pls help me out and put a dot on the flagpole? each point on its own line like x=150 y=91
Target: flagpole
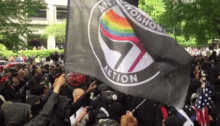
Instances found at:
x=138 y=105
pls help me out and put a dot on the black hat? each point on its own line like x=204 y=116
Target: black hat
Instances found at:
x=103 y=87
x=109 y=97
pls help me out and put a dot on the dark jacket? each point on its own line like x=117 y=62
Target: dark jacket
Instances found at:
x=61 y=117
x=56 y=57
x=2 y=118
x=193 y=86
x=7 y=91
x=62 y=113
x=146 y=113
x=20 y=85
x=32 y=99
x=116 y=110
x=66 y=91
x=45 y=116
x=215 y=72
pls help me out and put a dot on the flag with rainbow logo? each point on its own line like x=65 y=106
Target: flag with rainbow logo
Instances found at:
x=122 y=46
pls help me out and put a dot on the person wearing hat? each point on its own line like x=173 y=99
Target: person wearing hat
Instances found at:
x=104 y=106
x=103 y=88
x=67 y=108
x=36 y=104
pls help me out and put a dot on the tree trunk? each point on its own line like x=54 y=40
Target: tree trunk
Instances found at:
x=219 y=33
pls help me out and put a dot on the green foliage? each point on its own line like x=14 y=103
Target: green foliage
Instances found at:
x=199 y=19
x=14 y=18
x=4 y=52
x=42 y=53
x=185 y=43
x=57 y=30
x=154 y=8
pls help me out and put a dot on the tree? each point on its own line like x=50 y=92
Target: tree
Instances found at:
x=14 y=19
x=199 y=19
x=57 y=30
x=154 y=8
x=185 y=43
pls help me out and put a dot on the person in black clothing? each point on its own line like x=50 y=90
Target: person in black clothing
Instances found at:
x=17 y=83
x=64 y=109
x=23 y=116
x=31 y=59
x=213 y=57
x=146 y=113
x=36 y=79
x=214 y=78
x=193 y=86
x=104 y=106
x=7 y=90
x=56 y=58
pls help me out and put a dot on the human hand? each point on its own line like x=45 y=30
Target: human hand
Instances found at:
x=198 y=69
x=201 y=81
x=55 y=82
x=61 y=80
x=163 y=122
x=219 y=77
x=129 y=113
x=92 y=86
x=84 y=112
x=210 y=118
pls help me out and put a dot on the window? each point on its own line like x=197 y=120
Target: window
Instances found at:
x=61 y=13
x=41 y=13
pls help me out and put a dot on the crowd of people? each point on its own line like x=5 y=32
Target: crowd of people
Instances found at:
x=32 y=95
x=54 y=58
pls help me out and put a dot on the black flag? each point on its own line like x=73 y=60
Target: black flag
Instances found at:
x=121 y=45
x=133 y=2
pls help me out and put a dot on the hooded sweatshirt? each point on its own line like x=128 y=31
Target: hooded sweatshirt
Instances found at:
x=22 y=114
x=45 y=116
x=35 y=108
x=32 y=99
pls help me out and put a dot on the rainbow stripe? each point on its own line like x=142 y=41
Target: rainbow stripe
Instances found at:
x=116 y=27
x=116 y=24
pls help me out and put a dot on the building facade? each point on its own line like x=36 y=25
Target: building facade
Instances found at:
x=55 y=11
